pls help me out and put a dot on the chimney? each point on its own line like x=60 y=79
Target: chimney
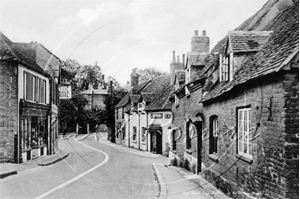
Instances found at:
x=134 y=78
x=183 y=60
x=200 y=43
x=174 y=56
x=178 y=60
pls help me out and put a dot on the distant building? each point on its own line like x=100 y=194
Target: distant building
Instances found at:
x=143 y=116
x=96 y=96
x=29 y=78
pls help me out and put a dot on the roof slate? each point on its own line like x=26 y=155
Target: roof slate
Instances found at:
x=283 y=43
x=196 y=58
x=10 y=51
x=245 y=41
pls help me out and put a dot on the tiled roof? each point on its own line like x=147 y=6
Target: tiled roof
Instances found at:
x=161 y=89
x=135 y=98
x=125 y=100
x=282 y=45
x=135 y=90
x=148 y=97
x=12 y=52
x=245 y=41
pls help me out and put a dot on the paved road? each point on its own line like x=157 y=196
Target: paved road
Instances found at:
x=93 y=170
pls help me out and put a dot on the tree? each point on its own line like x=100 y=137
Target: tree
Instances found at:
x=149 y=74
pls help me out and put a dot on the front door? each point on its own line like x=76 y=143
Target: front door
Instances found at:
x=156 y=141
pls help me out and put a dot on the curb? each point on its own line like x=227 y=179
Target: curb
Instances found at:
x=161 y=184
x=54 y=161
x=4 y=175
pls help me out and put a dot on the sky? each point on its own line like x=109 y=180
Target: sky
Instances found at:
x=121 y=34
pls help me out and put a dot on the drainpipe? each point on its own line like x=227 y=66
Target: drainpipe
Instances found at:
x=147 y=147
x=129 y=129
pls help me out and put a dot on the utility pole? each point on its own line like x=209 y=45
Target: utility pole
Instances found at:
x=112 y=139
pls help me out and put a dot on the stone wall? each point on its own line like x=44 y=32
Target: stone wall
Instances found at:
x=8 y=109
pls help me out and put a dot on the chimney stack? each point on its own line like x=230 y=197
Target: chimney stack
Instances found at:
x=134 y=78
x=178 y=59
x=174 y=56
x=200 y=43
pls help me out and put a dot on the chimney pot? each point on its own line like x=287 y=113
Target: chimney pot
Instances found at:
x=196 y=32
x=203 y=32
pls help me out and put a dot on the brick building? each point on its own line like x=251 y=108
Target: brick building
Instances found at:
x=29 y=86
x=244 y=115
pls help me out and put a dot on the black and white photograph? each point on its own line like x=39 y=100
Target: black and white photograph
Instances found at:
x=133 y=99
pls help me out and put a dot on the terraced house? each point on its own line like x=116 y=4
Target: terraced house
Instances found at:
x=29 y=97
x=143 y=116
x=239 y=128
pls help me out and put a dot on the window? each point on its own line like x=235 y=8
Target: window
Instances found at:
x=134 y=133
x=226 y=67
x=39 y=131
x=25 y=131
x=243 y=127
x=123 y=133
x=116 y=112
x=213 y=134
x=144 y=134
x=122 y=109
x=34 y=88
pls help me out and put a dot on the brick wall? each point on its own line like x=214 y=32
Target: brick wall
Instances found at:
x=274 y=167
x=188 y=107
x=8 y=109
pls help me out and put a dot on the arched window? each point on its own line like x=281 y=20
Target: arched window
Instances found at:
x=213 y=134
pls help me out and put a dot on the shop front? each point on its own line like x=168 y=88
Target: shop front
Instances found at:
x=33 y=130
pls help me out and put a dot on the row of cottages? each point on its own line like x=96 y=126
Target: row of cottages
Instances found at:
x=143 y=116
x=236 y=110
x=29 y=78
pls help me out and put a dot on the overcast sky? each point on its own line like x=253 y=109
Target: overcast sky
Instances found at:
x=121 y=34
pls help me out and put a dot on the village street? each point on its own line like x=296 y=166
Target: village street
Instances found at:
x=96 y=168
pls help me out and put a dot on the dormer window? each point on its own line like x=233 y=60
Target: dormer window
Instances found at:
x=226 y=67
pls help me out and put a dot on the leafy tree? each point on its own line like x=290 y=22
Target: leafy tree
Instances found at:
x=148 y=74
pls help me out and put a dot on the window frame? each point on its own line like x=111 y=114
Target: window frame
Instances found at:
x=244 y=139
x=213 y=134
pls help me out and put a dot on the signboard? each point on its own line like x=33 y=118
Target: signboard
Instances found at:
x=156 y=115
x=65 y=92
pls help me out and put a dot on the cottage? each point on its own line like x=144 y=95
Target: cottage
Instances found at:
x=240 y=127
x=144 y=115
x=29 y=86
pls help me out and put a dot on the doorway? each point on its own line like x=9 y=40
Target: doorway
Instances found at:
x=156 y=141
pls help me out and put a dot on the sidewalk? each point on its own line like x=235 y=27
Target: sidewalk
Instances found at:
x=7 y=169
x=176 y=182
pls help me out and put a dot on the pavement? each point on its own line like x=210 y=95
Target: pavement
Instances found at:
x=7 y=169
x=176 y=182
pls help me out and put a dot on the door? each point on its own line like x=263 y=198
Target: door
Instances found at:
x=156 y=141
x=198 y=125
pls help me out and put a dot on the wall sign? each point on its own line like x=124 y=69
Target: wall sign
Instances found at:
x=65 y=92
x=156 y=115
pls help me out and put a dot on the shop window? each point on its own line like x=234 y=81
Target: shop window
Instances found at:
x=38 y=131
x=213 y=134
